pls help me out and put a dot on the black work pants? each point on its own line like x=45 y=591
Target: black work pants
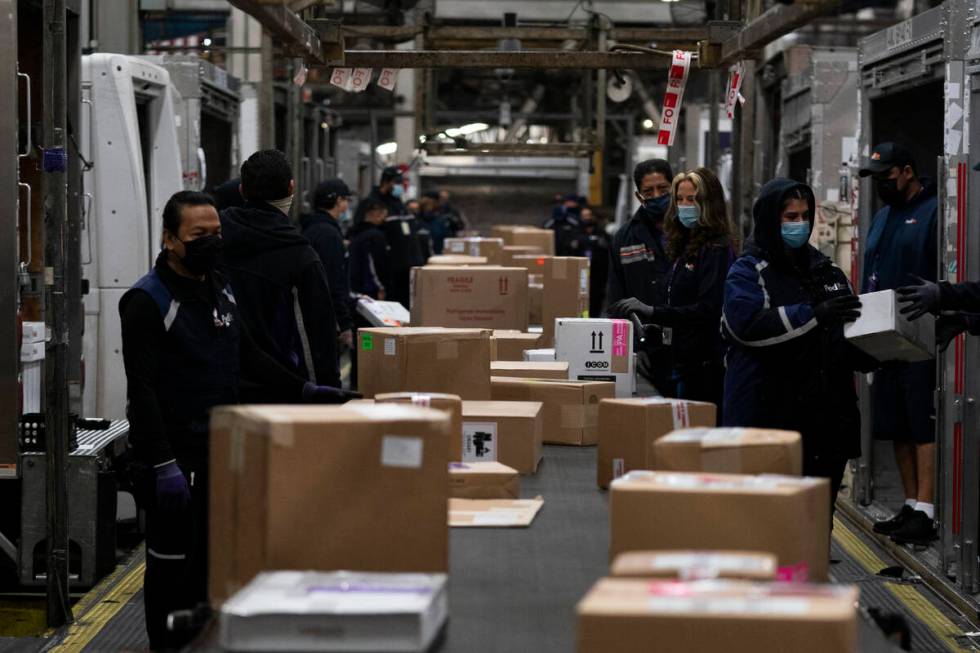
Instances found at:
x=702 y=383
x=176 y=563
x=826 y=465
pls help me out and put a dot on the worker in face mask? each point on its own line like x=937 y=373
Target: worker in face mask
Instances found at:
x=789 y=366
x=185 y=351
x=278 y=277
x=701 y=246
x=638 y=263
x=902 y=247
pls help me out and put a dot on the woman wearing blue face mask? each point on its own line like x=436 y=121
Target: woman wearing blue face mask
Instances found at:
x=701 y=246
x=789 y=366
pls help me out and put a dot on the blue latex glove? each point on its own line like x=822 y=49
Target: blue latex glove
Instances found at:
x=920 y=299
x=173 y=492
x=325 y=394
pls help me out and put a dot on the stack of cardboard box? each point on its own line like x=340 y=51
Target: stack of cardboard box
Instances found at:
x=489 y=248
x=517 y=235
x=564 y=289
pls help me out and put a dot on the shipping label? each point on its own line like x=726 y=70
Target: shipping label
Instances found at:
x=390 y=347
x=479 y=442
x=401 y=451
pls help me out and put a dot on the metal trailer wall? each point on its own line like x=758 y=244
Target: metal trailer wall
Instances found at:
x=817 y=133
x=916 y=80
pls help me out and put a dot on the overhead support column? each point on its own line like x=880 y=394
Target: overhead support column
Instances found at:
x=777 y=21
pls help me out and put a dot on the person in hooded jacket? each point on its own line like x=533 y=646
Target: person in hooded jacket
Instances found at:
x=593 y=243
x=638 y=263
x=565 y=222
x=789 y=366
x=369 y=273
x=277 y=276
x=701 y=245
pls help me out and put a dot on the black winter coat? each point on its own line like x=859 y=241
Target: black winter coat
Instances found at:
x=325 y=236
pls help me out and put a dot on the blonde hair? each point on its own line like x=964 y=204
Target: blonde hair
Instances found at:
x=714 y=226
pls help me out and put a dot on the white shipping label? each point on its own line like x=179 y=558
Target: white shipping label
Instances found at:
x=406 y=228
x=583 y=282
x=401 y=451
x=619 y=467
x=474 y=249
x=422 y=400
x=389 y=346
x=723 y=436
x=457 y=247
x=479 y=442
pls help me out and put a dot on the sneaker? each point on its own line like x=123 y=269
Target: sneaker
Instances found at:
x=896 y=521
x=918 y=529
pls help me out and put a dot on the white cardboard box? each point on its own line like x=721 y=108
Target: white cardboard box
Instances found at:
x=597 y=350
x=335 y=611
x=886 y=334
x=383 y=314
x=539 y=355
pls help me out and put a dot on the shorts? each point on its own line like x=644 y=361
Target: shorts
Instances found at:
x=902 y=406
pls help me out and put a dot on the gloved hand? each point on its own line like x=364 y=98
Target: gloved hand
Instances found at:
x=947 y=328
x=325 y=394
x=624 y=307
x=920 y=299
x=173 y=492
x=346 y=337
x=846 y=308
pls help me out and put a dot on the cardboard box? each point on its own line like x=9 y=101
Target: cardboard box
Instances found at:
x=565 y=288
x=493 y=513
x=490 y=248
x=629 y=427
x=529 y=370
x=638 y=616
x=535 y=303
x=383 y=314
x=413 y=359
x=597 y=350
x=539 y=355
x=694 y=565
x=510 y=345
x=487 y=297
x=451 y=404
x=570 y=408
x=335 y=611
x=783 y=515
x=526 y=235
x=507 y=432
x=350 y=480
x=456 y=259
x=510 y=251
x=486 y=480
x=730 y=451
x=883 y=332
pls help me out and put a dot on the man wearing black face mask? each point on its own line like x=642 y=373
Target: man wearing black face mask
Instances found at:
x=902 y=247
x=638 y=261
x=184 y=350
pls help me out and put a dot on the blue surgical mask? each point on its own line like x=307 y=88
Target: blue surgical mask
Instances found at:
x=795 y=234
x=689 y=215
x=657 y=206
x=398 y=191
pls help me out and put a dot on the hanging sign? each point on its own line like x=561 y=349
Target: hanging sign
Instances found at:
x=387 y=78
x=360 y=79
x=341 y=77
x=680 y=66
x=735 y=77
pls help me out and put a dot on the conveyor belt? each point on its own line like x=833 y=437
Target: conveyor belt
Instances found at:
x=514 y=590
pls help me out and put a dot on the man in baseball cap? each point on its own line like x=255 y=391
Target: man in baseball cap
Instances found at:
x=901 y=249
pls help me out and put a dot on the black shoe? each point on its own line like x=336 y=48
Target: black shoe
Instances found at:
x=896 y=521
x=919 y=529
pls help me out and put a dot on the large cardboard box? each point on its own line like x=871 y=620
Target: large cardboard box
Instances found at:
x=571 y=408
x=451 y=404
x=783 y=515
x=490 y=248
x=510 y=251
x=486 y=480
x=510 y=345
x=730 y=451
x=598 y=350
x=629 y=427
x=694 y=564
x=638 y=616
x=883 y=332
x=456 y=259
x=486 y=297
x=526 y=235
x=507 y=432
x=530 y=370
x=565 y=288
x=326 y=487
x=433 y=359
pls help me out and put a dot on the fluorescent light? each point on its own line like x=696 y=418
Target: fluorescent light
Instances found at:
x=465 y=130
x=207 y=42
x=647 y=124
x=387 y=148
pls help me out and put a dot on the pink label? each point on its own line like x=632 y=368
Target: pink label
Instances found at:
x=621 y=331
x=798 y=573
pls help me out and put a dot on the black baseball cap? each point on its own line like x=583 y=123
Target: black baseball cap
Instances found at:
x=886 y=156
x=327 y=192
x=392 y=172
x=977 y=167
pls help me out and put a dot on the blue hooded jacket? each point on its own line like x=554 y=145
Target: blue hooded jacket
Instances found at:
x=902 y=243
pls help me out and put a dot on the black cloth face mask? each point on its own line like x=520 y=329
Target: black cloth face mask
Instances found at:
x=201 y=254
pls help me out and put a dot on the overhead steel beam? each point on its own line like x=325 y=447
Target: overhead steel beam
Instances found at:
x=581 y=150
x=541 y=60
x=777 y=21
x=457 y=33
x=290 y=31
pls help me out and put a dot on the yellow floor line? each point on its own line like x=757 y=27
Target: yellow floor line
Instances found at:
x=909 y=595
x=90 y=623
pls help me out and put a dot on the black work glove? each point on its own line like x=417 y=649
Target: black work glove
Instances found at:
x=624 y=307
x=325 y=394
x=947 y=328
x=837 y=309
x=921 y=298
